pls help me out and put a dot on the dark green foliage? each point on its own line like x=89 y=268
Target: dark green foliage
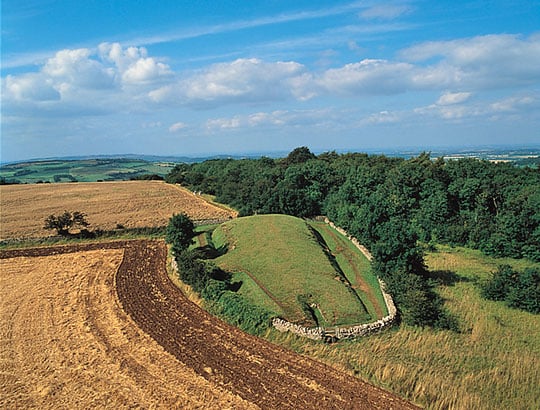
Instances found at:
x=180 y=232
x=389 y=204
x=192 y=271
x=518 y=290
x=298 y=156
x=147 y=177
x=499 y=285
x=63 y=223
x=241 y=313
x=214 y=285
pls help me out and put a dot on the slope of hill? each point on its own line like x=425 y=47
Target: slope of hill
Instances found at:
x=284 y=266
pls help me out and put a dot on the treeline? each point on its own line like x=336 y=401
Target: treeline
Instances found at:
x=389 y=204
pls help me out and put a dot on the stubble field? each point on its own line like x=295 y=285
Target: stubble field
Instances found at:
x=65 y=341
x=108 y=205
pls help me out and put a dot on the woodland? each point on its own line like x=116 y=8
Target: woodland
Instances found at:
x=397 y=207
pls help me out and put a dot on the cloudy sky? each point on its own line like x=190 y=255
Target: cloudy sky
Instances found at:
x=186 y=77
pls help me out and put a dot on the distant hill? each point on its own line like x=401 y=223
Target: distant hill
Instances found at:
x=128 y=166
x=81 y=170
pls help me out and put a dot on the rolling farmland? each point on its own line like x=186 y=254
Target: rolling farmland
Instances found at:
x=131 y=204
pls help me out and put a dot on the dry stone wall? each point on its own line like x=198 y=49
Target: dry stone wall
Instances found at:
x=349 y=332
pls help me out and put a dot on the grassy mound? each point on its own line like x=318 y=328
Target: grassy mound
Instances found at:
x=282 y=265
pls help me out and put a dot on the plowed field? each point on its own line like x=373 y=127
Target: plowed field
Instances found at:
x=132 y=204
x=103 y=326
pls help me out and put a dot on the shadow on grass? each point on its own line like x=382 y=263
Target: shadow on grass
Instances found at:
x=446 y=277
x=210 y=252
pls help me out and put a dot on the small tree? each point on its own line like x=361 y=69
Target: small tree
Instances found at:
x=180 y=233
x=63 y=223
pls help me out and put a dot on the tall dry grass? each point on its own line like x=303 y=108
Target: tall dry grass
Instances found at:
x=494 y=363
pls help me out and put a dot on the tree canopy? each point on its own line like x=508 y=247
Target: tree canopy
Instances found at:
x=390 y=204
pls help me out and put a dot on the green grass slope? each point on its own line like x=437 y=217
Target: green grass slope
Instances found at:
x=283 y=267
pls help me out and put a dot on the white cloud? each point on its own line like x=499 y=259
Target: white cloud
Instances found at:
x=383 y=117
x=368 y=77
x=512 y=104
x=133 y=64
x=249 y=79
x=75 y=67
x=455 y=107
x=490 y=61
x=223 y=123
x=113 y=78
x=145 y=70
x=29 y=87
x=453 y=98
x=177 y=126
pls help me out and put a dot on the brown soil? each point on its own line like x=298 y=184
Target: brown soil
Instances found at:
x=66 y=342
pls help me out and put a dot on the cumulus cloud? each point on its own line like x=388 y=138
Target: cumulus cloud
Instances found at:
x=133 y=64
x=250 y=79
x=85 y=80
x=113 y=78
x=29 y=87
x=482 y=61
x=76 y=67
x=368 y=77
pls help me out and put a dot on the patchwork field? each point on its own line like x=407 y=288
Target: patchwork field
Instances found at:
x=102 y=326
x=85 y=170
x=131 y=204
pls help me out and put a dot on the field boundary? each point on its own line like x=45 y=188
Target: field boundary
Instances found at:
x=344 y=332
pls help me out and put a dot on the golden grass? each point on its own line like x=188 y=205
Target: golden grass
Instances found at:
x=494 y=363
x=66 y=343
x=132 y=204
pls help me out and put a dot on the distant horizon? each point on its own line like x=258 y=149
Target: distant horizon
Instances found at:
x=397 y=151
x=227 y=77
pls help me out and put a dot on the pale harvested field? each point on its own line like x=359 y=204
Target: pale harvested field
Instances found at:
x=132 y=204
x=101 y=325
x=65 y=343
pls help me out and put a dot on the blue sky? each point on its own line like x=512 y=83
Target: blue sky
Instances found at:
x=202 y=77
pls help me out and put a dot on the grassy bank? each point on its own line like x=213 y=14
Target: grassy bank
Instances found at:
x=282 y=266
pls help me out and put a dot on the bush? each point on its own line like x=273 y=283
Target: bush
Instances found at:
x=63 y=223
x=239 y=312
x=518 y=290
x=180 y=233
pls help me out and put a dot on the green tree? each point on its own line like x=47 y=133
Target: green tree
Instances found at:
x=180 y=233
x=500 y=283
x=298 y=156
x=63 y=223
x=525 y=294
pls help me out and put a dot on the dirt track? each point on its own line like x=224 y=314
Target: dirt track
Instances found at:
x=260 y=373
